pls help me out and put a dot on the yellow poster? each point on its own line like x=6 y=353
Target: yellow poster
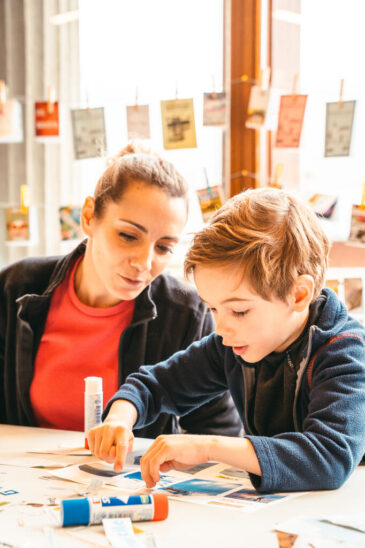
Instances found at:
x=178 y=124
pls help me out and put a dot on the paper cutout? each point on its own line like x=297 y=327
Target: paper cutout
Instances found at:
x=88 y=133
x=339 y=121
x=357 y=231
x=138 y=122
x=257 y=107
x=178 y=124
x=11 y=122
x=323 y=204
x=210 y=200
x=17 y=224
x=70 y=223
x=214 y=109
x=291 y=115
x=47 y=123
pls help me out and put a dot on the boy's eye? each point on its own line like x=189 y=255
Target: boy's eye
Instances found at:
x=240 y=313
x=127 y=237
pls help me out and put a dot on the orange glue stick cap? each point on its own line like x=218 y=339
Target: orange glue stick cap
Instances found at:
x=161 y=504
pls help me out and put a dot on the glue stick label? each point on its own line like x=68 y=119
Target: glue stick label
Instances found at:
x=93 y=410
x=137 y=508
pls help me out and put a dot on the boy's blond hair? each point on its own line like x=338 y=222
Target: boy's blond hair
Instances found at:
x=271 y=235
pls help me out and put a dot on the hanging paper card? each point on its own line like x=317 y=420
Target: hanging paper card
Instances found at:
x=257 y=107
x=353 y=294
x=17 y=224
x=11 y=124
x=138 y=122
x=357 y=232
x=210 y=199
x=339 y=120
x=70 y=223
x=291 y=114
x=323 y=204
x=178 y=124
x=46 y=119
x=214 y=109
x=89 y=133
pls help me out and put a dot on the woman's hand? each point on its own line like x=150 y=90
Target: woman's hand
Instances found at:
x=175 y=451
x=113 y=440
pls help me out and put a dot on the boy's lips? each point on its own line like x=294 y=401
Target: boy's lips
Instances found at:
x=133 y=281
x=240 y=350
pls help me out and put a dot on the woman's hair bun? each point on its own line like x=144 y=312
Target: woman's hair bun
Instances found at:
x=133 y=147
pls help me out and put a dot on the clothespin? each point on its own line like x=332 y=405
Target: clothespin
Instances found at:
x=265 y=78
x=278 y=172
x=176 y=91
x=209 y=189
x=2 y=96
x=213 y=95
x=340 y=99
x=24 y=198
x=136 y=100
x=51 y=99
x=295 y=86
x=362 y=205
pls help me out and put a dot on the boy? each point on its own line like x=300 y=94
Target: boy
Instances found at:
x=291 y=356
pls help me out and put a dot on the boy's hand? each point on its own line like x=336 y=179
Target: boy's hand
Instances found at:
x=111 y=441
x=175 y=451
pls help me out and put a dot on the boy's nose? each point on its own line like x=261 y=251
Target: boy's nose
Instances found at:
x=222 y=328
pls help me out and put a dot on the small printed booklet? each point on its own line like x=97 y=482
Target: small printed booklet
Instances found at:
x=138 y=122
x=214 y=109
x=339 y=121
x=257 y=107
x=46 y=120
x=89 y=137
x=17 y=224
x=178 y=123
x=70 y=223
x=291 y=116
x=210 y=199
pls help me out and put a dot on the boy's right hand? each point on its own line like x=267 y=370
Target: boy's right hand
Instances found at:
x=113 y=440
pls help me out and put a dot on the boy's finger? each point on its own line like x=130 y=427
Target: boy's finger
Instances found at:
x=121 y=451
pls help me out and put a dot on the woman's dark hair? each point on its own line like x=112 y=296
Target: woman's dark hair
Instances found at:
x=135 y=163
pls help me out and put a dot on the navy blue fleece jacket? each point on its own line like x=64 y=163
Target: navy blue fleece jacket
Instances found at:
x=328 y=411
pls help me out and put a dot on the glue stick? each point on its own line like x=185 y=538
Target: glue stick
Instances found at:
x=93 y=404
x=92 y=510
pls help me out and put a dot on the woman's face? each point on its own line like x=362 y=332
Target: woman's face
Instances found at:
x=131 y=244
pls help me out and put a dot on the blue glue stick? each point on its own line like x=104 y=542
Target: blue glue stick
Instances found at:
x=92 y=510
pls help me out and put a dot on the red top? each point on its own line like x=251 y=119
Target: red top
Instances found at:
x=78 y=341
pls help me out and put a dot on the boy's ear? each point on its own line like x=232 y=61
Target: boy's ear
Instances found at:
x=87 y=215
x=303 y=292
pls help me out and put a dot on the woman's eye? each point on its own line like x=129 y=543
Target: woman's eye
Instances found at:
x=240 y=313
x=163 y=249
x=127 y=237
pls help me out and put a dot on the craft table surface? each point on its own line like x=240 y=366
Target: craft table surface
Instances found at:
x=191 y=525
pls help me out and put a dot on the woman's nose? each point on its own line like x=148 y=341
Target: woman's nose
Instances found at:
x=142 y=259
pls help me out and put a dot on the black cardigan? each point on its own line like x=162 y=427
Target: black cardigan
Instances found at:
x=168 y=316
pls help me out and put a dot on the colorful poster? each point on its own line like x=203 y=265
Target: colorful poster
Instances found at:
x=47 y=123
x=11 y=122
x=178 y=123
x=17 y=224
x=70 y=223
x=257 y=107
x=138 y=122
x=357 y=231
x=323 y=204
x=214 y=109
x=210 y=199
x=339 y=121
x=89 y=136
x=291 y=115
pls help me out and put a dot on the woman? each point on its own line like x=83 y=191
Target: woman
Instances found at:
x=105 y=308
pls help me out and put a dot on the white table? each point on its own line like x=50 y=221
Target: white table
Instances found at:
x=191 y=525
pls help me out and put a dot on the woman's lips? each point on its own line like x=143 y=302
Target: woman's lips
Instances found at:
x=132 y=281
x=240 y=350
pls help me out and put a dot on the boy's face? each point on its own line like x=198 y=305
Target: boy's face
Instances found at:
x=252 y=326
